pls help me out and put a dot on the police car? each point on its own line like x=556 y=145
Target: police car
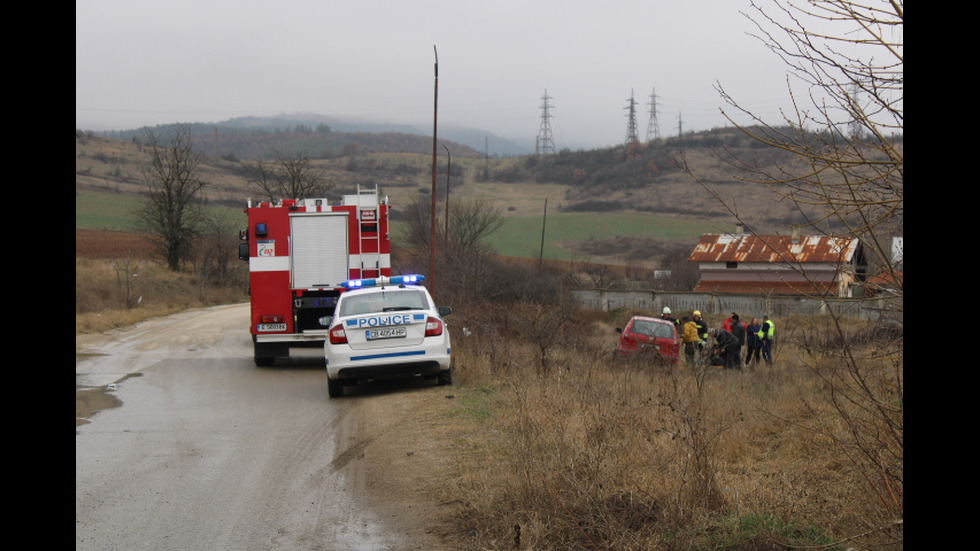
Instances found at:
x=386 y=328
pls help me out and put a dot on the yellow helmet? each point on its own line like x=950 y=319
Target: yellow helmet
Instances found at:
x=697 y=313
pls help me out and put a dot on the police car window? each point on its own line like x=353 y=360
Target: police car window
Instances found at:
x=383 y=302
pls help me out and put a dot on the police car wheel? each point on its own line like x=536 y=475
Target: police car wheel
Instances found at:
x=446 y=377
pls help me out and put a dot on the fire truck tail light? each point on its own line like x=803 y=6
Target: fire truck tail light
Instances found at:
x=270 y=318
x=433 y=327
x=338 y=335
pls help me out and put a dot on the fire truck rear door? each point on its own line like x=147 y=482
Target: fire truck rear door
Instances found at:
x=318 y=249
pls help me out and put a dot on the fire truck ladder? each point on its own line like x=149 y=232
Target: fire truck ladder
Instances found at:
x=361 y=206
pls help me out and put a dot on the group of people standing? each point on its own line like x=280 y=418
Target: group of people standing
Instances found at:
x=757 y=338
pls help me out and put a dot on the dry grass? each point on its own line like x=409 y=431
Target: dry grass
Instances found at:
x=117 y=283
x=604 y=454
x=583 y=451
x=119 y=292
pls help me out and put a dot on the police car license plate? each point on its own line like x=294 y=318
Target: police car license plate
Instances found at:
x=387 y=333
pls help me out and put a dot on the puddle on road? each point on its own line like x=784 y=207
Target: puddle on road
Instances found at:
x=90 y=400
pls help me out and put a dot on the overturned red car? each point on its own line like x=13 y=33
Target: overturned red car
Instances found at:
x=650 y=336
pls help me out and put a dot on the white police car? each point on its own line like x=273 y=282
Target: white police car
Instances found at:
x=386 y=328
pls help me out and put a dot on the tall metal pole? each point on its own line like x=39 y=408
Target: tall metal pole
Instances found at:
x=432 y=230
x=544 y=219
x=449 y=172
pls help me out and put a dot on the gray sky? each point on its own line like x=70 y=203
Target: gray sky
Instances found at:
x=146 y=63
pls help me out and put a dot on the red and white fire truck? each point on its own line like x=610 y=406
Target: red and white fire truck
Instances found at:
x=298 y=252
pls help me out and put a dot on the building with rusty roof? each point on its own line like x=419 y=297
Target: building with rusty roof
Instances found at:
x=779 y=265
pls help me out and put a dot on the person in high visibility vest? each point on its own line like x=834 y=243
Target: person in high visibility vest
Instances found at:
x=702 y=330
x=767 y=335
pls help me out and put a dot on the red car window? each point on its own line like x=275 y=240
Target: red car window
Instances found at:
x=652 y=329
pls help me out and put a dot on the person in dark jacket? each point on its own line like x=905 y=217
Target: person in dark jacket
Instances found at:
x=753 y=346
x=737 y=329
x=726 y=345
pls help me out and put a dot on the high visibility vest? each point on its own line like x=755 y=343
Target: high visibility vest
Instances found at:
x=767 y=331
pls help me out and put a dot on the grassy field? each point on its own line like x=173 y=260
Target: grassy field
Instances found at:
x=98 y=210
x=520 y=234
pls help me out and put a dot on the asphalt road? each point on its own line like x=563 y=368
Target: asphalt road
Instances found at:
x=203 y=450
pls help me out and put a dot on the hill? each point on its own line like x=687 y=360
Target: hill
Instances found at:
x=622 y=204
x=322 y=136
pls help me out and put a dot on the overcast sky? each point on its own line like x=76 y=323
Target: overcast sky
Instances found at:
x=146 y=63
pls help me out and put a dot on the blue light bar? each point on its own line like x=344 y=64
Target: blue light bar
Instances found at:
x=408 y=279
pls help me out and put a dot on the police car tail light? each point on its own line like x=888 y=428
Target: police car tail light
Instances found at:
x=338 y=335
x=433 y=327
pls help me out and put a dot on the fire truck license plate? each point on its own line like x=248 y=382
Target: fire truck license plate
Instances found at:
x=265 y=327
x=389 y=333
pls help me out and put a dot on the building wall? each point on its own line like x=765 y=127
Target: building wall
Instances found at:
x=746 y=305
x=778 y=273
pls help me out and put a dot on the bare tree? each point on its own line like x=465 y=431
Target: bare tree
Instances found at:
x=470 y=222
x=848 y=181
x=171 y=210
x=849 y=142
x=464 y=254
x=291 y=177
x=215 y=251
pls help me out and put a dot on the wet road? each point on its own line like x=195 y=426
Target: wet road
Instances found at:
x=200 y=449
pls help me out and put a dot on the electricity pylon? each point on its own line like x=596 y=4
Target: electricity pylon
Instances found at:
x=545 y=143
x=653 y=125
x=631 y=133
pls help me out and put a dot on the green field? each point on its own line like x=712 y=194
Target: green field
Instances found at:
x=114 y=211
x=518 y=236
x=521 y=236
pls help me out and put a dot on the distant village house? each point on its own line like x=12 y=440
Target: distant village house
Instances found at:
x=743 y=263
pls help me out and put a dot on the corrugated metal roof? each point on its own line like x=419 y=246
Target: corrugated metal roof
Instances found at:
x=726 y=247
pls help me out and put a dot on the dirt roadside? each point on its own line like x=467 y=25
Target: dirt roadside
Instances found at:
x=405 y=447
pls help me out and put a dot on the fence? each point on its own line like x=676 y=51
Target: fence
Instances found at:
x=880 y=309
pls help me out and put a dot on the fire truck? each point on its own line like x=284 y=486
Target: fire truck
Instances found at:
x=298 y=253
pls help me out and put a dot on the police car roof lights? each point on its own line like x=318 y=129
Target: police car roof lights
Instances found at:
x=382 y=281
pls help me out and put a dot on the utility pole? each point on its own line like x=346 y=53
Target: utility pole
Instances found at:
x=653 y=126
x=544 y=219
x=435 y=179
x=545 y=143
x=631 y=133
x=449 y=171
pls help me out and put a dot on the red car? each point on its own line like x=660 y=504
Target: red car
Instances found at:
x=644 y=335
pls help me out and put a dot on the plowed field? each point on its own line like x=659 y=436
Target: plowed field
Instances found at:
x=110 y=244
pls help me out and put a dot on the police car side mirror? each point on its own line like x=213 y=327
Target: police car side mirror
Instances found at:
x=445 y=310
